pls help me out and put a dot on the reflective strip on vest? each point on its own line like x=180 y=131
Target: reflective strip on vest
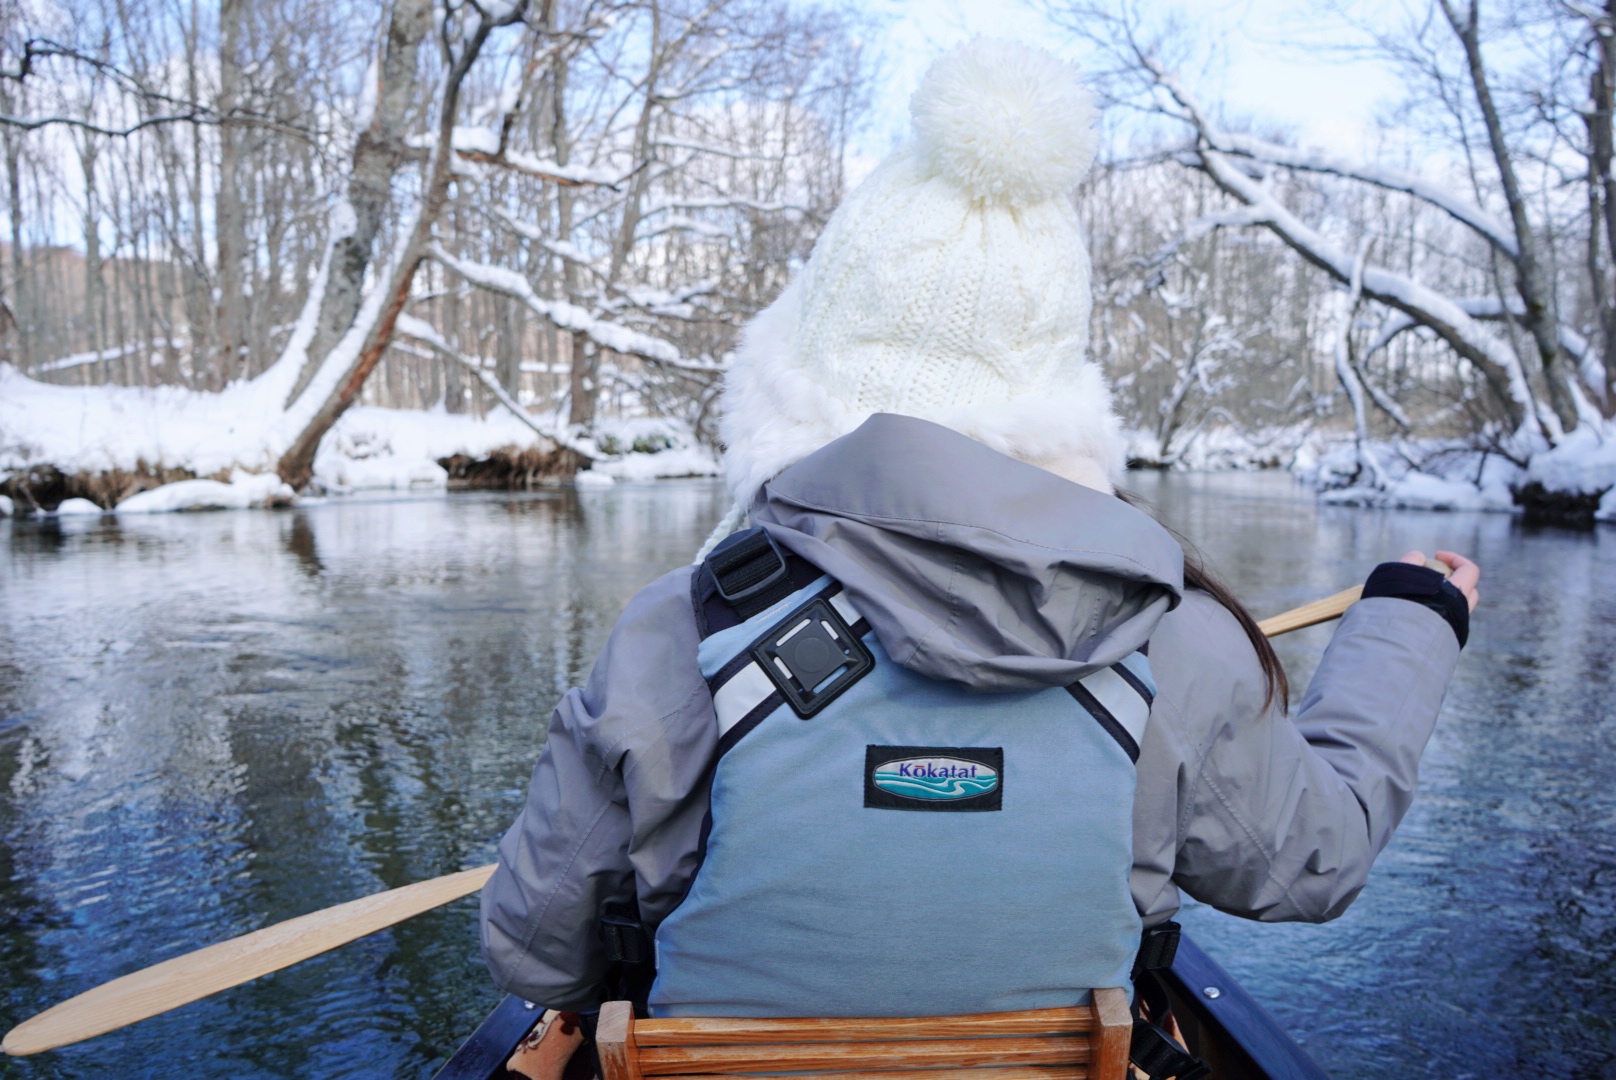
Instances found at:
x=1121 y=699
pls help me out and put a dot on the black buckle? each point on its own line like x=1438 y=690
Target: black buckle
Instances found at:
x=1157 y=948
x=1158 y=1056
x=812 y=656
x=738 y=568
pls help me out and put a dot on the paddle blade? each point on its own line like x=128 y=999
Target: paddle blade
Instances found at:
x=195 y=975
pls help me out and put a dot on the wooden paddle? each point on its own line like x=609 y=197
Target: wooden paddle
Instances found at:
x=196 y=975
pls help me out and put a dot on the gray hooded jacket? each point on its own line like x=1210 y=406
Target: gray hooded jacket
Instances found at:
x=981 y=570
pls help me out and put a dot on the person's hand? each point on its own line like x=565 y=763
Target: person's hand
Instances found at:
x=1465 y=574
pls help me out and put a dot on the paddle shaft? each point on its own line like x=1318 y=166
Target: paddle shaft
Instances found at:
x=196 y=975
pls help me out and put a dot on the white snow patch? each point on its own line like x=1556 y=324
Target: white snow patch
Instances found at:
x=687 y=461
x=96 y=429
x=7 y=509
x=475 y=140
x=78 y=508
x=1584 y=463
x=244 y=490
x=1420 y=491
x=592 y=479
x=650 y=448
x=372 y=447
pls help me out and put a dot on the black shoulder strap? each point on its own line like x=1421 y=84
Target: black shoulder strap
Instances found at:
x=1153 y=1051
x=745 y=574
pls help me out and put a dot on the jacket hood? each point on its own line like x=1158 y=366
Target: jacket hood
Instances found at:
x=971 y=566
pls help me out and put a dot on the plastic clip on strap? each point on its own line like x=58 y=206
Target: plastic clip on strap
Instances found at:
x=750 y=574
x=1156 y=1053
x=1157 y=948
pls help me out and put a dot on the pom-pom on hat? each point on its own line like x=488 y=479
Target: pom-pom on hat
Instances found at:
x=951 y=285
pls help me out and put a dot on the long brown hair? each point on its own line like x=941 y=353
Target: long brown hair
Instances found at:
x=1197 y=576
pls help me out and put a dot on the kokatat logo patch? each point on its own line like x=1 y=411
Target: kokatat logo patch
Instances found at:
x=933 y=777
x=936 y=778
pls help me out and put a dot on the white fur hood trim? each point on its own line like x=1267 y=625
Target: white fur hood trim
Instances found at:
x=774 y=415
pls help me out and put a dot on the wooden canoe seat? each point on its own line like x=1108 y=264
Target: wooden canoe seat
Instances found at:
x=1086 y=1042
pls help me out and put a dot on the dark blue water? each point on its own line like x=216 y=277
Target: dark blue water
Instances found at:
x=212 y=722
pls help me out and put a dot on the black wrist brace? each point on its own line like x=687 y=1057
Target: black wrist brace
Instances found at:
x=1425 y=587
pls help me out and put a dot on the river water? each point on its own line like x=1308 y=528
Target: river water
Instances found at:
x=213 y=722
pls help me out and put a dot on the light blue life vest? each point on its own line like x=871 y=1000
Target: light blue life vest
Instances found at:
x=884 y=844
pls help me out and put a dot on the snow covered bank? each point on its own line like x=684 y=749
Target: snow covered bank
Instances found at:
x=1570 y=483
x=244 y=490
x=647 y=448
x=1214 y=449
x=128 y=446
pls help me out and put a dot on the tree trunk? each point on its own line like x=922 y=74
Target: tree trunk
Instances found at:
x=296 y=465
x=1602 y=203
x=1539 y=318
x=580 y=376
x=92 y=260
x=230 y=225
x=198 y=286
x=379 y=152
x=22 y=304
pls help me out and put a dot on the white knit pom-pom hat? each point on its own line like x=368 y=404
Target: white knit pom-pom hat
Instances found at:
x=951 y=285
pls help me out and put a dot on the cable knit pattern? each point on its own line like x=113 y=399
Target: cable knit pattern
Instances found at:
x=951 y=285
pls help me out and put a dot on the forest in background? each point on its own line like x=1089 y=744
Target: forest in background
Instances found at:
x=564 y=210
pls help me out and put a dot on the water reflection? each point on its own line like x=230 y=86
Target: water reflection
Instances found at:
x=212 y=722
x=1483 y=945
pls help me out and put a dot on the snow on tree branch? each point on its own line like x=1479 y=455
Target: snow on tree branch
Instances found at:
x=568 y=316
x=421 y=330
x=1441 y=196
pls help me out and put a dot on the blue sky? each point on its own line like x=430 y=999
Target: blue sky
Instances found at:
x=1269 y=74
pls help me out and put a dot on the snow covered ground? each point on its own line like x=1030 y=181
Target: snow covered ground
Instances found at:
x=1436 y=474
x=232 y=441
x=1421 y=474
x=230 y=437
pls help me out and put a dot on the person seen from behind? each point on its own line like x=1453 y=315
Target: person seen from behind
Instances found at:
x=943 y=723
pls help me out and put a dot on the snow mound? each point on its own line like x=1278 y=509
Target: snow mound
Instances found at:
x=651 y=448
x=684 y=461
x=6 y=507
x=1421 y=491
x=78 y=508
x=398 y=449
x=1584 y=463
x=592 y=480
x=244 y=490
x=1007 y=122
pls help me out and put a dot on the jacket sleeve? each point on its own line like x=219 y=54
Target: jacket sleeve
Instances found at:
x=614 y=809
x=1273 y=818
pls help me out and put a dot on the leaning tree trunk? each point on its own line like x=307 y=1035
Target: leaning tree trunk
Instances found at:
x=379 y=153
x=1531 y=280
x=296 y=465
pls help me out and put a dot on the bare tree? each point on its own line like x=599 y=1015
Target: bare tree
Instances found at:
x=1247 y=169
